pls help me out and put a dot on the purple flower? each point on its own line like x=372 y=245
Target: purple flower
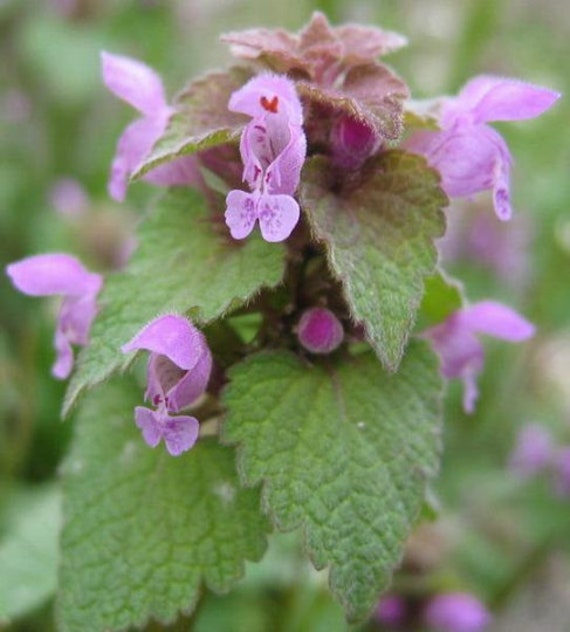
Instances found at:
x=471 y=156
x=61 y=274
x=138 y=85
x=456 y=612
x=272 y=147
x=391 y=610
x=461 y=353
x=177 y=375
x=561 y=467
x=320 y=331
x=533 y=451
x=68 y=197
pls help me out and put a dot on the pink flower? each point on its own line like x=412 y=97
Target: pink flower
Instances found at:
x=68 y=197
x=461 y=353
x=61 y=274
x=138 y=85
x=456 y=612
x=471 y=156
x=320 y=331
x=533 y=451
x=272 y=147
x=391 y=610
x=177 y=375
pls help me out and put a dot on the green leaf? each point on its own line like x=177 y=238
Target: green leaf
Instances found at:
x=344 y=453
x=379 y=233
x=29 y=551
x=443 y=295
x=201 y=120
x=182 y=264
x=143 y=530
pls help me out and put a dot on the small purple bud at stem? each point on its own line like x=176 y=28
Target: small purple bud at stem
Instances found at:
x=320 y=330
x=352 y=141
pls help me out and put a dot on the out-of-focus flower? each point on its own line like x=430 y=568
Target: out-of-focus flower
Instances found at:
x=61 y=274
x=391 y=610
x=471 y=156
x=561 y=469
x=497 y=246
x=456 y=612
x=532 y=452
x=272 y=147
x=15 y=106
x=68 y=197
x=178 y=372
x=320 y=331
x=456 y=341
x=138 y=85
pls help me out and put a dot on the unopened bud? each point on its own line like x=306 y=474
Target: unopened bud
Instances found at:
x=320 y=330
x=352 y=141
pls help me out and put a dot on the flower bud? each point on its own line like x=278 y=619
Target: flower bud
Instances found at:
x=320 y=330
x=352 y=141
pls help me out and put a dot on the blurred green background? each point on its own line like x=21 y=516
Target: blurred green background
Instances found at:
x=506 y=541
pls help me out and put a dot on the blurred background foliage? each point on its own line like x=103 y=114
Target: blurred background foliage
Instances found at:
x=504 y=540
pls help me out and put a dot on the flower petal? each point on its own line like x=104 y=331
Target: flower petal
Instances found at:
x=162 y=375
x=133 y=145
x=284 y=173
x=188 y=389
x=278 y=215
x=133 y=82
x=180 y=172
x=172 y=336
x=268 y=94
x=53 y=274
x=495 y=319
x=470 y=388
x=241 y=213
x=180 y=434
x=149 y=422
x=64 y=360
x=498 y=99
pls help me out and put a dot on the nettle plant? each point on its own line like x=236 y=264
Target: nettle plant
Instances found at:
x=286 y=295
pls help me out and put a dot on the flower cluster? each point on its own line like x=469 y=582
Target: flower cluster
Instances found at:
x=322 y=92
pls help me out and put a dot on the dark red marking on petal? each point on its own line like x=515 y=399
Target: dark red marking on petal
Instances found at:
x=270 y=106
